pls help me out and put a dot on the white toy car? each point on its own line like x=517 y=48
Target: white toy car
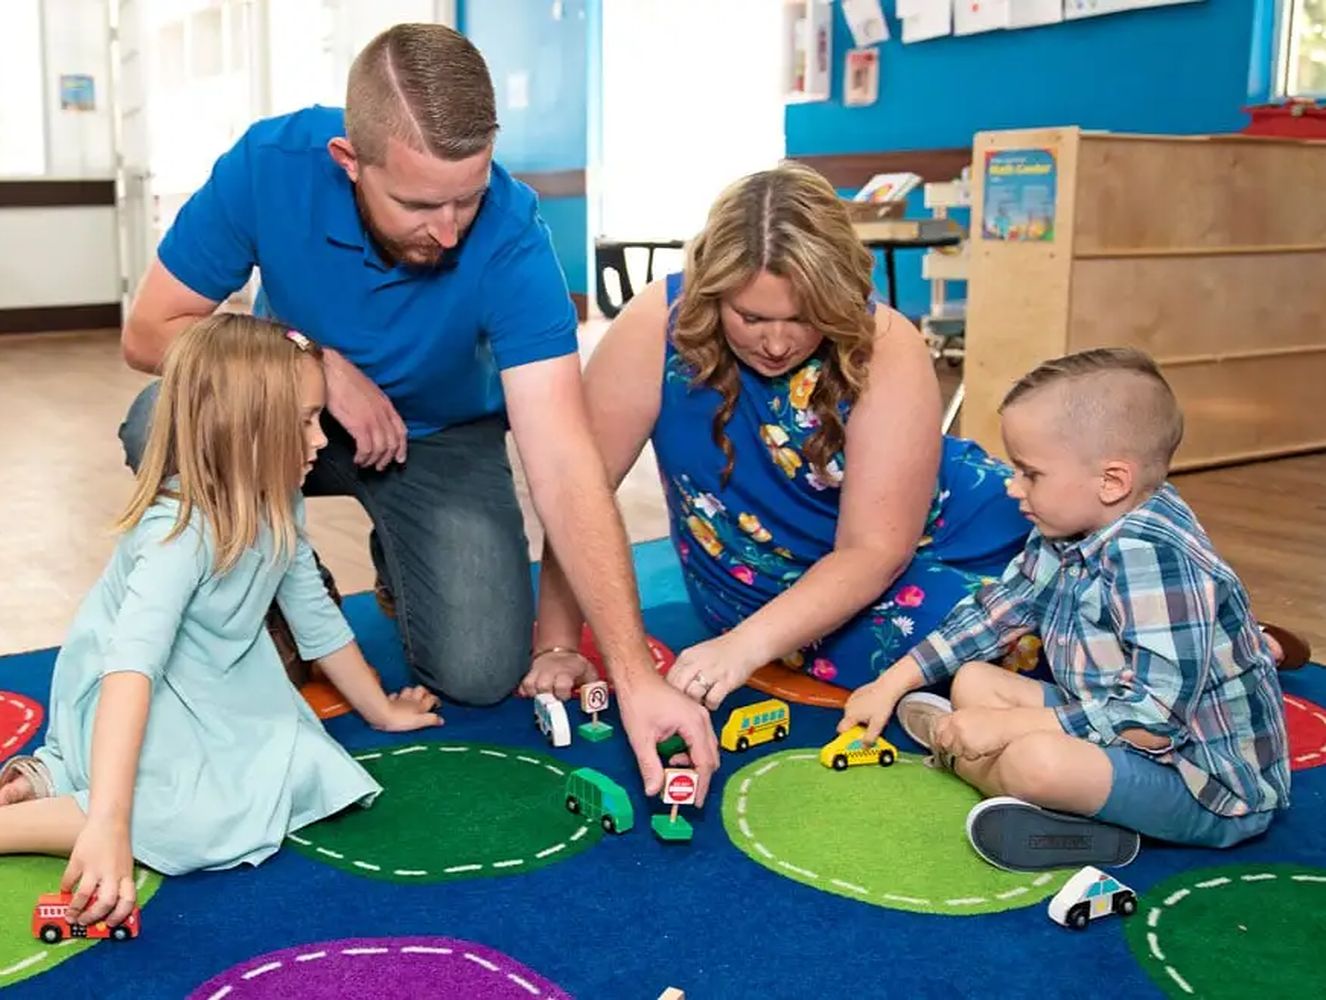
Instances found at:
x=1090 y=894
x=550 y=717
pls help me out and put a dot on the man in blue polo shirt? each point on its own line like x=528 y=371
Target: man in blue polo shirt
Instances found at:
x=389 y=235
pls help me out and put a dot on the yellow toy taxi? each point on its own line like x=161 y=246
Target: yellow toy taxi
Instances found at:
x=848 y=750
x=755 y=724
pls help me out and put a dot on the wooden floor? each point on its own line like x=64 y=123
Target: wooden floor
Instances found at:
x=62 y=397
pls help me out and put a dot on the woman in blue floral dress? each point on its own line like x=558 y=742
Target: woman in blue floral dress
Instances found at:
x=820 y=516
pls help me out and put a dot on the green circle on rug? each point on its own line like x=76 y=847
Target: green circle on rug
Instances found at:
x=22 y=879
x=890 y=836
x=453 y=811
x=1236 y=931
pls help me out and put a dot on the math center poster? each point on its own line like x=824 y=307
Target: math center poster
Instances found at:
x=1019 y=195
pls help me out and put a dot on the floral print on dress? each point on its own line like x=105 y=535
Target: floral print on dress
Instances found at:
x=740 y=545
x=742 y=541
x=1025 y=655
x=750 y=524
x=776 y=439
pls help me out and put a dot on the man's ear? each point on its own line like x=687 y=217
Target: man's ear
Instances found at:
x=1117 y=478
x=344 y=154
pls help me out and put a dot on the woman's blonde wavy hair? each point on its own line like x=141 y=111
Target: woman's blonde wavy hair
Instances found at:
x=227 y=423
x=790 y=222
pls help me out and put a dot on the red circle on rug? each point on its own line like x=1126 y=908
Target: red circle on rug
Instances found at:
x=20 y=718
x=1306 y=723
x=589 y=649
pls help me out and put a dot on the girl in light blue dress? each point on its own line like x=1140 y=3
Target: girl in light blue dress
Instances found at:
x=175 y=736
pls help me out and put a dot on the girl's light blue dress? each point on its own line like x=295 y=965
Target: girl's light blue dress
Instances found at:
x=233 y=758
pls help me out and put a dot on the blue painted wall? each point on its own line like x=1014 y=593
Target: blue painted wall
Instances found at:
x=1181 y=69
x=552 y=132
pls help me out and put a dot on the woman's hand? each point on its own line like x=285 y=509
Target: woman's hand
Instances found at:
x=711 y=670
x=101 y=866
x=409 y=709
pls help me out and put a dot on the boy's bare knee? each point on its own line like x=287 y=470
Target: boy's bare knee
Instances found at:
x=1030 y=767
x=972 y=687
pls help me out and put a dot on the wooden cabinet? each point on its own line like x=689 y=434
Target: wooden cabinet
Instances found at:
x=1207 y=252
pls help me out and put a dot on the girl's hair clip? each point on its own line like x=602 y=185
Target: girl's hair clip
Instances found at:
x=299 y=340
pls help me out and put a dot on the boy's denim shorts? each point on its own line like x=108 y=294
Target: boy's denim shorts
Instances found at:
x=1151 y=798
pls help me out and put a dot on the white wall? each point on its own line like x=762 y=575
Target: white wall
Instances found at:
x=79 y=143
x=68 y=255
x=58 y=257
x=692 y=100
x=22 y=142
x=313 y=43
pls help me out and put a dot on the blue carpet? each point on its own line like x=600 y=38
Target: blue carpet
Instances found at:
x=630 y=916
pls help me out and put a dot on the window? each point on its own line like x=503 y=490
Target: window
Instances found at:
x=22 y=107
x=1301 y=53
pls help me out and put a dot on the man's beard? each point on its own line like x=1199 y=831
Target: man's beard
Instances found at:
x=424 y=256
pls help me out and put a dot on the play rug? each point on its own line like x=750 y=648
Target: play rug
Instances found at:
x=470 y=879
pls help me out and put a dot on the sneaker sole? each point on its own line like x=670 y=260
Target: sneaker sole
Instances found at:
x=923 y=698
x=1020 y=837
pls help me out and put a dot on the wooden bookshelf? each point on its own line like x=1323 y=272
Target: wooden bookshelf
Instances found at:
x=1208 y=252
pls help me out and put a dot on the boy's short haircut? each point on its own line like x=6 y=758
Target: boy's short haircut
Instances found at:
x=1115 y=402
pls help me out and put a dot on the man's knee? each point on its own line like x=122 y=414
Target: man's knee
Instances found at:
x=137 y=424
x=475 y=672
x=469 y=655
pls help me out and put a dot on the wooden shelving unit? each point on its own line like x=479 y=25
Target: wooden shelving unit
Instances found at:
x=1208 y=252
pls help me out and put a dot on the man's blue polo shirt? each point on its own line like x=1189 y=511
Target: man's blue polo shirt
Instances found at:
x=433 y=340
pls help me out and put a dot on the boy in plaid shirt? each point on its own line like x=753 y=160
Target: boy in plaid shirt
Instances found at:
x=1165 y=716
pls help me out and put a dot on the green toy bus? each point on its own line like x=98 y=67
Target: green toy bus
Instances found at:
x=598 y=797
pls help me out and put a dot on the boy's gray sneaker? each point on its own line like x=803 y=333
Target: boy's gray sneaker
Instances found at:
x=1021 y=837
x=917 y=714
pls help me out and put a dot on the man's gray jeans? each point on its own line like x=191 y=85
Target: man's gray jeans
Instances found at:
x=448 y=540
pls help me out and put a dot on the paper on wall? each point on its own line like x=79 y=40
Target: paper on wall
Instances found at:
x=866 y=21
x=1029 y=13
x=971 y=17
x=1074 y=9
x=930 y=19
x=910 y=8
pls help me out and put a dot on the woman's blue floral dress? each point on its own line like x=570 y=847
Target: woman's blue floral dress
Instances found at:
x=743 y=544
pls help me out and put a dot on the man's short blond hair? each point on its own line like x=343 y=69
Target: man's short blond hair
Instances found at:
x=425 y=85
x=1115 y=403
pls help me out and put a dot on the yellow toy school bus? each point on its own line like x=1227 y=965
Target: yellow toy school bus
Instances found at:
x=754 y=724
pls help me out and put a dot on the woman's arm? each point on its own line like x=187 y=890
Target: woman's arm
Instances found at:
x=892 y=460
x=623 y=386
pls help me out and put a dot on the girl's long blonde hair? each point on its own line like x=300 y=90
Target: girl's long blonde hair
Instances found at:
x=227 y=423
x=790 y=222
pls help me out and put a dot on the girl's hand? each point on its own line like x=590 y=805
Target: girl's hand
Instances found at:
x=409 y=709
x=101 y=865
x=711 y=670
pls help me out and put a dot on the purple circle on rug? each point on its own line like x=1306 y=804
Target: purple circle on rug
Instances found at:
x=373 y=968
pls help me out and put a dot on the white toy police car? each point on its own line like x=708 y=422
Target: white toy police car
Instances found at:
x=1090 y=894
